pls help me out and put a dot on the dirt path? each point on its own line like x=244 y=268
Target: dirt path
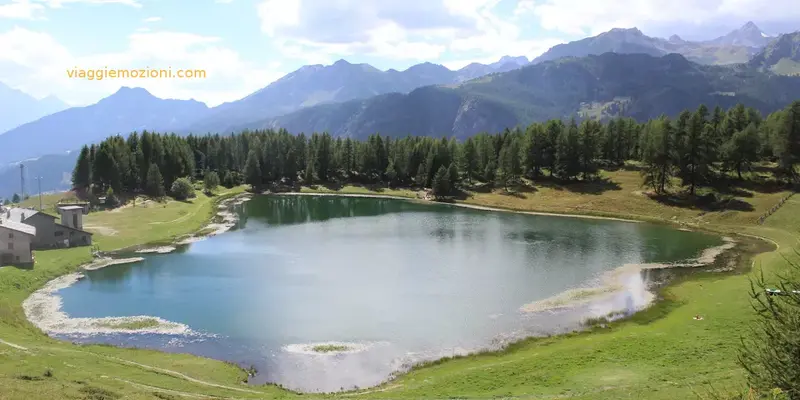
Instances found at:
x=16 y=346
x=174 y=374
x=103 y=230
x=169 y=391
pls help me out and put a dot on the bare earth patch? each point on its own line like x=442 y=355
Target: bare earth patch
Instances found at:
x=103 y=230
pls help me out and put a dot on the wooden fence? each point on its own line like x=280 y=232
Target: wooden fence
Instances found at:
x=774 y=208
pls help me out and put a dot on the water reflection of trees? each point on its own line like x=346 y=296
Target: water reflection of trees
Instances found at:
x=287 y=210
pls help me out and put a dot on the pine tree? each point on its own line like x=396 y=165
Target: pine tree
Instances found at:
x=210 y=181
x=453 y=176
x=589 y=141
x=770 y=351
x=657 y=155
x=568 y=163
x=391 y=173
x=469 y=159
x=742 y=150
x=490 y=173
x=82 y=174
x=422 y=176
x=15 y=198
x=692 y=146
x=308 y=173
x=510 y=166
x=155 y=182
x=787 y=143
x=252 y=170
x=441 y=183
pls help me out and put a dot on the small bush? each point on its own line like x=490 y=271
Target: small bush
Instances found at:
x=96 y=393
x=48 y=373
x=182 y=189
x=210 y=181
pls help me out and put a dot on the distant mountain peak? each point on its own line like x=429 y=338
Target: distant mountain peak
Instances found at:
x=519 y=60
x=341 y=62
x=750 y=25
x=749 y=35
x=633 y=30
x=132 y=91
x=676 y=39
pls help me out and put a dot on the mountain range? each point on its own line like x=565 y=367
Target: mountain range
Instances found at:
x=127 y=110
x=781 y=56
x=17 y=107
x=737 y=46
x=641 y=77
x=636 y=85
x=342 y=81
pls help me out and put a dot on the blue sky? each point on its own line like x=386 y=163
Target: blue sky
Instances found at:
x=246 y=44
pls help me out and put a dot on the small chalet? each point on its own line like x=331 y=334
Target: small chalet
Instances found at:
x=49 y=233
x=15 y=243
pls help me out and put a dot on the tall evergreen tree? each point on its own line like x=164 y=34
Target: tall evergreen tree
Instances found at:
x=441 y=183
x=657 y=155
x=82 y=174
x=568 y=160
x=742 y=150
x=155 y=182
x=252 y=169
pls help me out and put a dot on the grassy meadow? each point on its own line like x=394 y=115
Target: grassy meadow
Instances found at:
x=660 y=353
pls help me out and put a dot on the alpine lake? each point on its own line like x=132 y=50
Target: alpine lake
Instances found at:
x=329 y=293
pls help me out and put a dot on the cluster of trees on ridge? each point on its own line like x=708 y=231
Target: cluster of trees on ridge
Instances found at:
x=695 y=147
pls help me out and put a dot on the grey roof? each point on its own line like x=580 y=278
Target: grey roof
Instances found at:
x=18 y=214
x=18 y=226
x=71 y=208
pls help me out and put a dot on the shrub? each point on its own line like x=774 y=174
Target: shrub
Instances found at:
x=210 y=181
x=182 y=189
x=771 y=353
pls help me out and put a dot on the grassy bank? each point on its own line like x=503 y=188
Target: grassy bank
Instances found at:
x=662 y=353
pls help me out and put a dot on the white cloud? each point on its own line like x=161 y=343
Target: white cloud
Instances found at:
x=37 y=64
x=416 y=30
x=60 y=3
x=152 y=19
x=20 y=9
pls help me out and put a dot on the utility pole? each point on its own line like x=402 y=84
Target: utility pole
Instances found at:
x=39 y=181
x=22 y=182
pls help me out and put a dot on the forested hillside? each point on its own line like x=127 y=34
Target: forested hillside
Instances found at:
x=698 y=146
x=598 y=87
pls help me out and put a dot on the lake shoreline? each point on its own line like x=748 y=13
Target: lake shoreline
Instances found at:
x=43 y=308
x=182 y=240
x=224 y=212
x=455 y=204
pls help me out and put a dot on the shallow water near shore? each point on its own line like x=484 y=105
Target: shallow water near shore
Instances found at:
x=384 y=283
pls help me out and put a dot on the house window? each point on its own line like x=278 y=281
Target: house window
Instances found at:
x=74 y=220
x=11 y=235
x=17 y=258
x=59 y=233
x=11 y=246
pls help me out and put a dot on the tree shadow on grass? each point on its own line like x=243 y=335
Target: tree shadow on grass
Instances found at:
x=708 y=202
x=594 y=186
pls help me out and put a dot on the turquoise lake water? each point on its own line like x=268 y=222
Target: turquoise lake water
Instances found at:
x=399 y=281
